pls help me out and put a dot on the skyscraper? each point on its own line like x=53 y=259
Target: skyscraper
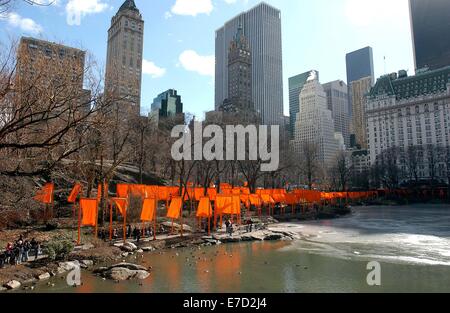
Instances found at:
x=262 y=28
x=430 y=26
x=360 y=89
x=239 y=75
x=296 y=84
x=337 y=101
x=314 y=124
x=167 y=105
x=359 y=65
x=124 y=57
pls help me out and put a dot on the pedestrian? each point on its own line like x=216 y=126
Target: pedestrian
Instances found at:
x=2 y=259
x=19 y=252
x=26 y=250
x=138 y=235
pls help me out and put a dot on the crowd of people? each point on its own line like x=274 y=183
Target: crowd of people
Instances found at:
x=134 y=232
x=19 y=251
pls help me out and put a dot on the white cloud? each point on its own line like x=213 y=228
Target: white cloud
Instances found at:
x=25 y=24
x=368 y=12
x=76 y=9
x=167 y=15
x=192 y=7
x=150 y=68
x=192 y=61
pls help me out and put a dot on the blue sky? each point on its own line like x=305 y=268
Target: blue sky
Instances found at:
x=179 y=38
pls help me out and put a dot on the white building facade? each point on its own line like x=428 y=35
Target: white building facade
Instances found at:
x=410 y=116
x=314 y=123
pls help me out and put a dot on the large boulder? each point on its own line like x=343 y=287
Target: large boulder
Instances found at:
x=13 y=284
x=128 y=247
x=130 y=266
x=273 y=236
x=123 y=273
x=43 y=276
x=119 y=273
x=177 y=226
x=68 y=266
x=141 y=275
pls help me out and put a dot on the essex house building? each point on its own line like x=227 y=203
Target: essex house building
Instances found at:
x=124 y=58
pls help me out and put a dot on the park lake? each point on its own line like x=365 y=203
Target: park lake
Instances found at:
x=411 y=243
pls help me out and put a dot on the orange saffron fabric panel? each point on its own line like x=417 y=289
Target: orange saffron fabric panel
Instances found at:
x=223 y=202
x=255 y=200
x=148 y=210
x=212 y=193
x=122 y=190
x=278 y=197
x=121 y=205
x=163 y=193
x=89 y=211
x=291 y=198
x=267 y=199
x=74 y=193
x=175 y=208
x=45 y=195
x=199 y=193
x=151 y=191
x=204 y=209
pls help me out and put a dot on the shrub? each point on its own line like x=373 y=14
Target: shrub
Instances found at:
x=58 y=250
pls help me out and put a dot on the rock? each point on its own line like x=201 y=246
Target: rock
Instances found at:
x=87 y=263
x=122 y=273
x=177 y=226
x=87 y=246
x=130 y=266
x=13 y=284
x=68 y=266
x=148 y=249
x=60 y=270
x=44 y=276
x=139 y=251
x=230 y=239
x=119 y=273
x=273 y=236
x=3 y=289
x=141 y=274
x=125 y=254
x=128 y=247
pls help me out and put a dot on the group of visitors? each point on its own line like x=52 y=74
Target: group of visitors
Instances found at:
x=19 y=252
x=229 y=227
x=131 y=232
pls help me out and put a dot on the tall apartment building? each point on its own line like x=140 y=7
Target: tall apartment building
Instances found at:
x=430 y=25
x=48 y=61
x=411 y=114
x=314 y=123
x=359 y=65
x=262 y=28
x=337 y=101
x=359 y=90
x=53 y=68
x=239 y=75
x=296 y=84
x=124 y=58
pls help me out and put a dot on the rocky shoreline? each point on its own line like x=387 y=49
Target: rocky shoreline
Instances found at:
x=101 y=260
x=109 y=261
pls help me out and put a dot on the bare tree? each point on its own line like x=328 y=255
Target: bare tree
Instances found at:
x=7 y=5
x=45 y=113
x=309 y=165
x=342 y=170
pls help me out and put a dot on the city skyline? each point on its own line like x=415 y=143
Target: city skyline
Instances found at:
x=184 y=35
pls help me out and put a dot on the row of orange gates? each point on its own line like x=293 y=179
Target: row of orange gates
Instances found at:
x=227 y=202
